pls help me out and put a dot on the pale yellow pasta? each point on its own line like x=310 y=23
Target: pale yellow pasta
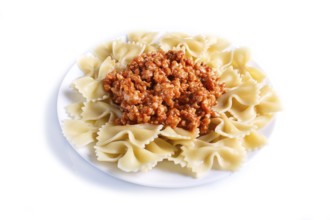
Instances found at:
x=195 y=46
x=78 y=132
x=231 y=128
x=74 y=110
x=247 y=93
x=269 y=102
x=90 y=88
x=112 y=152
x=138 y=135
x=241 y=57
x=124 y=52
x=231 y=78
x=255 y=73
x=242 y=112
x=89 y=65
x=216 y=45
x=103 y=51
x=217 y=53
x=95 y=110
x=221 y=60
x=151 y=48
x=161 y=147
x=107 y=66
x=170 y=40
x=254 y=140
x=262 y=120
x=138 y=159
x=142 y=37
x=132 y=158
x=100 y=122
x=247 y=106
x=179 y=133
x=212 y=135
x=226 y=154
x=178 y=159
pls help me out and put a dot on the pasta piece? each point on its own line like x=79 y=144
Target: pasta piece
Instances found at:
x=216 y=45
x=181 y=142
x=195 y=46
x=179 y=133
x=114 y=112
x=242 y=112
x=241 y=57
x=138 y=135
x=221 y=60
x=170 y=40
x=254 y=140
x=151 y=48
x=255 y=74
x=90 y=88
x=142 y=37
x=124 y=52
x=226 y=154
x=161 y=147
x=106 y=67
x=231 y=78
x=78 y=132
x=262 y=120
x=100 y=122
x=104 y=50
x=129 y=157
x=89 y=65
x=269 y=102
x=138 y=159
x=132 y=158
x=74 y=110
x=111 y=152
x=246 y=94
x=178 y=159
x=217 y=54
x=228 y=127
x=209 y=137
x=95 y=110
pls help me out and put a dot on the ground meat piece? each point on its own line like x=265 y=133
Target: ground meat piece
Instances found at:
x=165 y=88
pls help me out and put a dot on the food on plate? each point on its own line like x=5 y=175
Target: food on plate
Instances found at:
x=196 y=101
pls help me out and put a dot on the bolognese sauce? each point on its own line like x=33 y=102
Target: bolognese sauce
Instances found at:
x=165 y=88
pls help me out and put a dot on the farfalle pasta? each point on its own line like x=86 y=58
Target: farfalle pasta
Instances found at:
x=136 y=137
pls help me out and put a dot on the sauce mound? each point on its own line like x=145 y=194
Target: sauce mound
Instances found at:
x=165 y=88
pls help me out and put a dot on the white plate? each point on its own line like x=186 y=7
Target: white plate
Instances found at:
x=160 y=176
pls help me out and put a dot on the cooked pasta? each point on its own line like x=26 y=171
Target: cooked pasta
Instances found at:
x=247 y=105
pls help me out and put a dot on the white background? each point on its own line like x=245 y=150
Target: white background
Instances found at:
x=43 y=178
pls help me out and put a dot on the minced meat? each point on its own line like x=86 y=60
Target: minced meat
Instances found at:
x=165 y=88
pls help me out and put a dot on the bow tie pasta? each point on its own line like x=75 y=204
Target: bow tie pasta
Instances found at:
x=195 y=101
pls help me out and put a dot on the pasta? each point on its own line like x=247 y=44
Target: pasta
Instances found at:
x=138 y=135
x=103 y=50
x=90 y=88
x=229 y=127
x=124 y=52
x=142 y=37
x=226 y=154
x=74 y=110
x=78 y=132
x=247 y=105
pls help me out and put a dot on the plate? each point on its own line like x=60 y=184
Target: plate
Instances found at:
x=165 y=174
